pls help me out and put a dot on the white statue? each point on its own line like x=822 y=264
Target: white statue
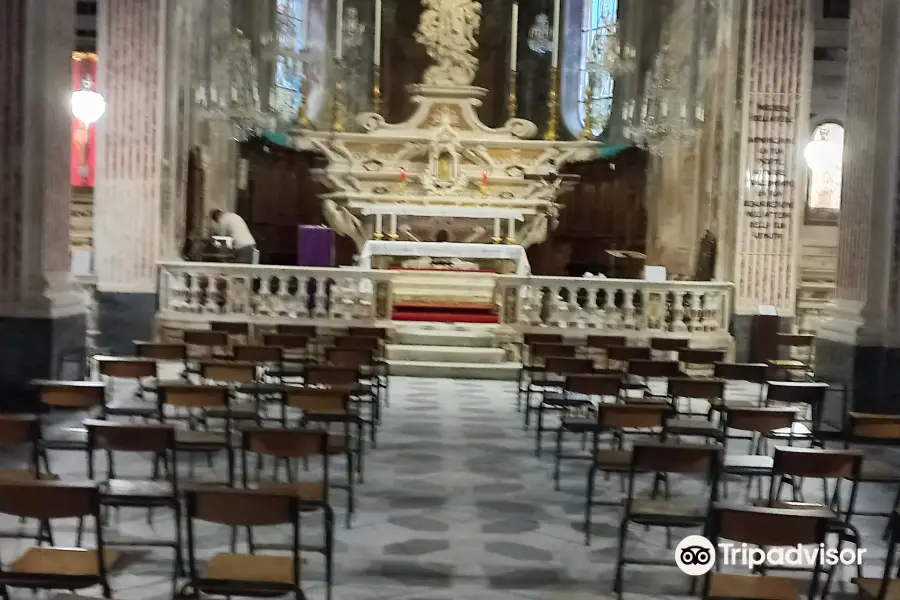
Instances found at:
x=536 y=231
x=343 y=222
x=447 y=29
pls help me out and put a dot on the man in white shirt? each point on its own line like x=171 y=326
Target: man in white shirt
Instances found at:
x=231 y=225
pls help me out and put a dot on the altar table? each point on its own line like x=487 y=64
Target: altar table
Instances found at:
x=469 y=252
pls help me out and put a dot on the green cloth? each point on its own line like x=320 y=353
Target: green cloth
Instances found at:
x=611 y=151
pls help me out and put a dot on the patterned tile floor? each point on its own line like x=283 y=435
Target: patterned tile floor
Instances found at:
x=455 y=507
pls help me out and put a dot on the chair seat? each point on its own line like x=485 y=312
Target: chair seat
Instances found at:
x=612 y=460
x=719 y=404
x=869 y=587
x=678 y=508
x=752 y=587
x=647 y=399
x=67 y=438
x=788 y=363
x=877 y=470
x=132 y=488
x=791 y=505
x=240 y=412
x=67 y=562
x=579 y=424
x=797 y=430
x=740 y=463
x=555 y=399
x=131 y=410
x=200 y=439
x=693 y=427
x=311 y=491
x=250 y=567
x=17 y=475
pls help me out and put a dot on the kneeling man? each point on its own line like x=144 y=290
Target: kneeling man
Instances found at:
x=231 y=225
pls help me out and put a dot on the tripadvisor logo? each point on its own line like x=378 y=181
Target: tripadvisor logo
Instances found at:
x=695 y=555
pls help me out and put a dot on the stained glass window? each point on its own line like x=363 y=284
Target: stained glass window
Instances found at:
x=291 y=16
x=600 y=17
x=825 y=158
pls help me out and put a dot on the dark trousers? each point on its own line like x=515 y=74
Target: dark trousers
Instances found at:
x=244 y=255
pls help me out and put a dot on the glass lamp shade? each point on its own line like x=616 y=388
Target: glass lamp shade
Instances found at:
x=824 y=155
x=88 y=106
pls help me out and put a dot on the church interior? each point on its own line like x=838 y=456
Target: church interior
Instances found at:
x=450 y=299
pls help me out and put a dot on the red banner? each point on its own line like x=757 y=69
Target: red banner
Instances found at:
x=84 y=139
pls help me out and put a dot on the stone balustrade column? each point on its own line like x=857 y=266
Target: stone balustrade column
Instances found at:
x=128 y=204
x=42 y=322
x=859 y=344
x=772 y=186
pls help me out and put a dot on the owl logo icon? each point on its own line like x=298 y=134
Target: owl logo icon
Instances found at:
x=695 y=555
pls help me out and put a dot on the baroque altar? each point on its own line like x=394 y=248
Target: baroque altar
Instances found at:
x=442 y=175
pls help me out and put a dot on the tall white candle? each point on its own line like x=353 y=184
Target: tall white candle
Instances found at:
x=510 y=228
x=555 y=63
x=339 y=34
x=496 y=227
x=378 y=225
x=393 y=224
x=514 y=41
x=377 y=55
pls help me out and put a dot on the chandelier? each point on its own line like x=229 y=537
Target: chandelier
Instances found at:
x=665 y=114
x=234 y=97
x=88 y=105
x=540 y=36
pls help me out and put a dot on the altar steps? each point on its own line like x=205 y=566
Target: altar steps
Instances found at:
x=451 y=351
x=452 y=312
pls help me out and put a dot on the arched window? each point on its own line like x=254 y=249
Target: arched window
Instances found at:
x=600 y=18
x=291 y=17
x=825 y=159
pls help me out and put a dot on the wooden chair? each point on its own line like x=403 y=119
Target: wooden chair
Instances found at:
x=368 y=332
x=369 y=368
x=692 y=358
x=149 y=492
x=56 y=567
x=549 y=384
x=620 y=356
x=206 y=344
x=659 y=460
x=808 y=398
x=86 y=396
x=142 y=371
x=596 y=346
x=788 y=343
x=307 y=331
x=886 y=587
x=758 y=422
x=232 y=374
x=755 y=373
x=640 y=371
x=711 y=391
x=667 y=348
x=238 y=333
x=176 y=353
x=18 y=431
x=194 y=401
x=863 y=428
x=533 y=365
x=296 y=348
x=270 y=356
x=623 y=421
x=243 y=574
x=284 y=447
x=764 y=527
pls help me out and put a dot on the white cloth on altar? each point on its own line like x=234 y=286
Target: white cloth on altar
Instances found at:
x=447 y=250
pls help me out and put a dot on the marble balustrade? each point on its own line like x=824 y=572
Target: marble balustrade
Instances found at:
x=191 y=294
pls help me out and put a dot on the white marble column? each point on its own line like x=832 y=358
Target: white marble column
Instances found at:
x=778 y=58
x=41 y=307
x=131 y=170
x=859 y=343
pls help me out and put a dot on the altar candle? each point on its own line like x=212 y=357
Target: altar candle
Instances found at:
x=402 y=175
x=378 y=224
x=339 y=34
x=555 y=63
x=510 y=228
x=377 y=52
x=497 y=227
x=514 y=41
x=393 y=224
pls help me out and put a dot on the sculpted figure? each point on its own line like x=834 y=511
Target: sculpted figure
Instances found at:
x=447 y=29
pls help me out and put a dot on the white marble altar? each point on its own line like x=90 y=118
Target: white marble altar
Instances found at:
x=469 y=252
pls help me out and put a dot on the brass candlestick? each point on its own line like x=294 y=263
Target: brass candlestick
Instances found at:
x=303 y=116
x=497 y=239
x=588 y=132
x=512 y=95
x=483 y=188
x=376 y=89
x=379 y=235
x=552 y=106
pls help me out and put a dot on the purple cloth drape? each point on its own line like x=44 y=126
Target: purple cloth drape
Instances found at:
x=315 y=246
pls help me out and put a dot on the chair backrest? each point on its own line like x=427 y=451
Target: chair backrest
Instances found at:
x=605 y=341
x=595 y=385
x=685 y=387
x=46 y=500
x=285 y=443
x=759 y=420
x=764 y=526
x=349 y=357
x=530 y=339
x=817 y=462
x=358 y=343
x=317 y=401
x=864 y=426
x=561 y=365
x=367 y=332
x=228 y=371
x=130 y=437
x=241 y=507
x=205 y=338
x=654 y=368
x=72 y=394
x=19 y=429
x=160 y=351
x=749 y=372
x=541 y=350
x=258 y=354
x=328 y=375
x=796 y=340
x=662 y=457
x=633 y=416
x=189 y=396
x=797 y=392
x=230 y=328
x=126 y=368
x=695 y=356
x=307 y=331
x=669 y=344
x=287 y=341
x=627 y=353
